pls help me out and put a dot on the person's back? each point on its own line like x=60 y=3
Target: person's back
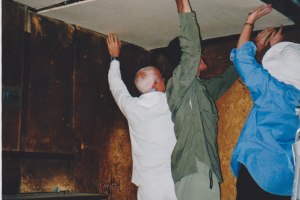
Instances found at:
x=195 y=160
x=150 y=126
x=262 y=160
x=152 y=138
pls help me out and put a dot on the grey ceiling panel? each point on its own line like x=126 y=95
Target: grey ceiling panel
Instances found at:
x=154 y=23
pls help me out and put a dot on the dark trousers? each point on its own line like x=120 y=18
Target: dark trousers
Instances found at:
x=248 y=189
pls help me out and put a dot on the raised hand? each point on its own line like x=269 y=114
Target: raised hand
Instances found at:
x=262 y=39
x=114 y=45
x=183 y=6
x=252 y=17
x=276 y=37
x=259 y=12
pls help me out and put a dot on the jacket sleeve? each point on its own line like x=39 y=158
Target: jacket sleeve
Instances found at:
x=252 y=73
x=186 y=71
x=217 y=86
x=118 y=88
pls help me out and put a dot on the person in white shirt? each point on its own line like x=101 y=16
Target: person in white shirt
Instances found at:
x=150 y=126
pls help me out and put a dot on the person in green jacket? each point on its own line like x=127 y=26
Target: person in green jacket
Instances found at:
x=195 y=161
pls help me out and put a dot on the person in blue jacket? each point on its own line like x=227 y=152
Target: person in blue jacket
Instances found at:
x=262 y=160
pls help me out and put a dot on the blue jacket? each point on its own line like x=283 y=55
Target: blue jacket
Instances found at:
x=265 y=144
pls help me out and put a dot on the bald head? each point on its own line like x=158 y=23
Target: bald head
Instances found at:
x=149 y=78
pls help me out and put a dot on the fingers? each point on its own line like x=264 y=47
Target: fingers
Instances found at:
x=265 y=33
x=116 y=37
x=112 y=38
x=268 y=40
x=109 y=38
x=266 y=10
x=266 y=37
x=280 y=30
x=260 y=11
x=276 y=37
x=273 y=34
x=268 y=29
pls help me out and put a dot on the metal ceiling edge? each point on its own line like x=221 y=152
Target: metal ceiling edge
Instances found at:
x=65 y=6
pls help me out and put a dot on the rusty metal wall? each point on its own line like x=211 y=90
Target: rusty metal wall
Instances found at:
x=13 y=20
x=71 y=110
x=103 y=162
x=46 y=175
x=50 y=87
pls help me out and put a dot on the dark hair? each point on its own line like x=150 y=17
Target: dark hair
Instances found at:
x=173 y=53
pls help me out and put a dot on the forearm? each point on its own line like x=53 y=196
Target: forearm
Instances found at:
x=245 y=35
x=114 y=78
x=183 y=6
x=252 y=17
x=117 y=86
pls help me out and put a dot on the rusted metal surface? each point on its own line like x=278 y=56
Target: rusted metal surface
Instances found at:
x=105 y=162
x=71 y=109
x=13 y=19
x=56 y=196
x=50 y=88
x=11 y=173
x=46 y=175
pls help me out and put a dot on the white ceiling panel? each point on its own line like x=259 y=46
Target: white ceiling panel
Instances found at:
x=154 y=23
x=38 y=4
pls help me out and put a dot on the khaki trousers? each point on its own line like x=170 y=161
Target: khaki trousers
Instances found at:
x=197 y=186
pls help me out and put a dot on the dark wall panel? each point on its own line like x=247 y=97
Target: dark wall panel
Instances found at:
x=71 y=110
x=46 y=175
x=50 y=87
x=13 y=19
x=104 y=162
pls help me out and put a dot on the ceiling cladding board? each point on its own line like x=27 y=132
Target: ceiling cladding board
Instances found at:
x=38 y=4
x=153 y=24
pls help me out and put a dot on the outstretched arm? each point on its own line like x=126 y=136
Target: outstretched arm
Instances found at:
x=247 y=30
x=183 y=6
x=190 y=44
x=116 y=85
x=245 y=63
